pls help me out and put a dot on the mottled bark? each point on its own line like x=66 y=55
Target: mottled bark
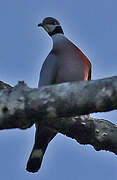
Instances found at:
x=100 y=133
x=55 y=106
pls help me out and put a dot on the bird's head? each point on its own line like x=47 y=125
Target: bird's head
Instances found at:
x=51 y=26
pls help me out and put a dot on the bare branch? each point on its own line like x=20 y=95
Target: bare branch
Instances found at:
x=53 y=106
x=62 y=100
x=100 y=133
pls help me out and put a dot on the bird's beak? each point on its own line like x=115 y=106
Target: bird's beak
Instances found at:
x=40 y=25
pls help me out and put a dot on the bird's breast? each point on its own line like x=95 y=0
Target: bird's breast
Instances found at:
x=72 y=64
x=71 y=68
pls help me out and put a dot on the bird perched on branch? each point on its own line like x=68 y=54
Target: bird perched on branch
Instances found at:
x=65 y=63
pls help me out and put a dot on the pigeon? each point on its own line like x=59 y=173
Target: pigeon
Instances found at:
x=65 y=63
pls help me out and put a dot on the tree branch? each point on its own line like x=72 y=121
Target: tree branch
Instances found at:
x=100 y=133
x=54 y=106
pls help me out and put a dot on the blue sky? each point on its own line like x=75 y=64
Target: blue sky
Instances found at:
x=92 y=26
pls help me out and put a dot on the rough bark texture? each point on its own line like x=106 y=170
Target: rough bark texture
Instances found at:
x=100 y=133
x=55 y=106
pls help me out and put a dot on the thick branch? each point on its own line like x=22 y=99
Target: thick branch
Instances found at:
x=22 y=106
x=100 y=133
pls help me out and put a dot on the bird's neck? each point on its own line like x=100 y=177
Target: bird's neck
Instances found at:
x=60 y=41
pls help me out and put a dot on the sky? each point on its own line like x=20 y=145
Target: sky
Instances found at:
x=92 y=26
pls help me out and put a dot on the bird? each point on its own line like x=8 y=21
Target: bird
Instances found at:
x=65 y=63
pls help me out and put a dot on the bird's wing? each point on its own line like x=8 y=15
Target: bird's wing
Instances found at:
x=43 y=135
x=48 y=71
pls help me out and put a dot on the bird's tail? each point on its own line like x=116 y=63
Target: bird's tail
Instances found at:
x=42 y=138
